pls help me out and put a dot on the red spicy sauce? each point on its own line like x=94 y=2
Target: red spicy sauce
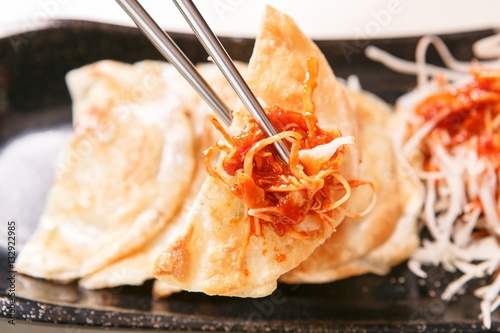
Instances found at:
x=472 y=112
x=272 y=191
x=270 y=171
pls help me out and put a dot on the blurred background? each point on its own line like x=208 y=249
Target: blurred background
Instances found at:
x=320 y=19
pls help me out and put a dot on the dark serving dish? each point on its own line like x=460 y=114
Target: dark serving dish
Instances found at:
x=35 y=117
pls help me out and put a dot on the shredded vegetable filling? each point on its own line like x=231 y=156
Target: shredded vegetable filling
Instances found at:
x=276 y=194
x=460 y=131
x=469 y=115
x=457 y=130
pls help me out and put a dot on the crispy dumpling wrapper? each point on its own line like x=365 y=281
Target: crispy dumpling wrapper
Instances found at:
x=121 y=178
x=387 y=235
x=136 y=267
x=204 y=257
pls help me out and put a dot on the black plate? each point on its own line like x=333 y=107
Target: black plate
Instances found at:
x=35 y=118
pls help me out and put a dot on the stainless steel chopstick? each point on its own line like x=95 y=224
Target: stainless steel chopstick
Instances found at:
x=172 y=52
x=219 y=55
x=212 y=45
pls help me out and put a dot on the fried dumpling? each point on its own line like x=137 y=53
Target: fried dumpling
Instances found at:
x=136 y=267
x=387 y=235
x=122 y=177
x=206 y=255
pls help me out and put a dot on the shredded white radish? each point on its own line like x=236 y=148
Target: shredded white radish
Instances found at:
x=488 y=47
x=407 y=67
x=461 y=209
x=322 y=153
x=352 y=83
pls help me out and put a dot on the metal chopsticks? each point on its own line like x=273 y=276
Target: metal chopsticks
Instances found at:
x=212 y=45
x=173 y=53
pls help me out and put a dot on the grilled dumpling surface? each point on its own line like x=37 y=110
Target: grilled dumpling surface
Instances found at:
x=137 y=266
x=122 y=176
